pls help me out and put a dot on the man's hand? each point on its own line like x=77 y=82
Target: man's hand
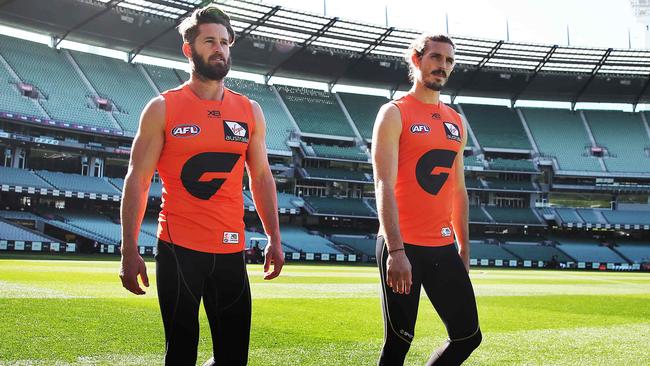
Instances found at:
x=132 y=266
x=273 y=254
x=398 y=270
x=464 y=256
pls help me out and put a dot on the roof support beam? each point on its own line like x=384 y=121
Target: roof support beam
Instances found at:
x=532 y=77
x=637 y=99
x=478 y=69
x=303 y=46
x=56 y=40
x=362 y=55
x=136 y=51
x=594 y=72
x=261 y=20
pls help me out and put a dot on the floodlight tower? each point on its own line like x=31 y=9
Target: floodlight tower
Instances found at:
x=642 y=13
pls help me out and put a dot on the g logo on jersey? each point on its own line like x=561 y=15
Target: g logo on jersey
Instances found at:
x=203 y=164
x=432 y=183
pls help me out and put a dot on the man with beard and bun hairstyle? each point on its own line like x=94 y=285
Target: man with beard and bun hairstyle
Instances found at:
x=200 y=136
x=417 y=156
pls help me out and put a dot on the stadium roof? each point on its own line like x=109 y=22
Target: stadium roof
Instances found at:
x=275 y=41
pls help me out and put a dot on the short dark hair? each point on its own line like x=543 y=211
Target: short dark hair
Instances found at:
x=189 y=27
x=419 y=47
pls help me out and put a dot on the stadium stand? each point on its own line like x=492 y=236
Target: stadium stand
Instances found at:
x=473 y=161
x=535 y=252
x=476 y=214
x=496 y=127
x=363 y=110
x=78 y=183
x=122 y=83
x=9 y=231
x=302 y=240
x=636 y=252
x=512 y=165
x=561 y=134
x=338 y=206
x=473 y=182
x=624 y=137
x=513 y=215
x=481 y=250
x=591 y=216
x=278 y=125
x=22 y=178
x=339 y=152
x=337 y=174
x=11 y=99
x=62 y=93
x=164 y=78
x=620 y=217
x=511 y=185
x=588 y=251
x=569 y=216
x=315 y=111
x=361 y=244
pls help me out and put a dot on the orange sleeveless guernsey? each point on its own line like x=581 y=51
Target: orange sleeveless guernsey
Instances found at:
x=201 y=167
x=428 y=146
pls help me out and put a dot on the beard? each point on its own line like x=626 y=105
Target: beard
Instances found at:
x=211 y=72
x=433 y=85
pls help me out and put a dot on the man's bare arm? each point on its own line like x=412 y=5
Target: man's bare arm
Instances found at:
x=145 y=152
x=385 y=152
x=264 y=194
x=460 y=206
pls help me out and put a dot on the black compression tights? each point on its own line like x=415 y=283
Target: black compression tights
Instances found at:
x=184 y=277
x=444 y=278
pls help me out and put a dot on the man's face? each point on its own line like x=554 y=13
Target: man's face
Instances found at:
x=436 y=65
x=211 y=52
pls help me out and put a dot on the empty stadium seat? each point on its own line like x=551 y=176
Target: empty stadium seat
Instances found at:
x=302 y=240
x=496 y=127
x=561 y=133
x=78 y=183
x=513 y=215
x=363 y=110
x=315 y=111
x=588 y=251
x=22 y=177
x=339 y=206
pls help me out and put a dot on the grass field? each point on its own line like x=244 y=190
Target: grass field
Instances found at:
x=60 y=312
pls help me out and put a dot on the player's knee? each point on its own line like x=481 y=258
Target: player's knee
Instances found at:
x=475 y=340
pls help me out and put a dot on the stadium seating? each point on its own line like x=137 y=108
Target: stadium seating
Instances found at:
x=361 y=244
x=588 y=251
x=569 y=215
x=561 y=133
x=78 y=183
x=536 y=252
x=278 y=125
x=315 y=111
x=473 y=161
x=120 y=82
x=339 y=152
x=477 y=215
x=19 y=215
x=339 y=206
x=480 y=251
x=164 y=78
x=512 y=165
x=289 y=201
x=337 y=174
x=496 y=127
x=637 y=252
x=301 y=239
x=591 y=216
x=513 y=215
x=620 y=217
x=363 y=110
x=64 y=96
x=624 y=137
x=514 y=185
x=9 y=231
x=21 y=177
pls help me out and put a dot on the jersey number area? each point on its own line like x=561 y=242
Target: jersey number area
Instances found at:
x=201 y=166
x=436 y=158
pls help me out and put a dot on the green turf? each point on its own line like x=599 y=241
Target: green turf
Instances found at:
x=59 y=312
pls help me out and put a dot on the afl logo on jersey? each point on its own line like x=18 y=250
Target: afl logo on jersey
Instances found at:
x=419 y=128
x=186 y=130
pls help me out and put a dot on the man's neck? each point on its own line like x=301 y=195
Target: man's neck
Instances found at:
x=206 y=89
x=424 y=94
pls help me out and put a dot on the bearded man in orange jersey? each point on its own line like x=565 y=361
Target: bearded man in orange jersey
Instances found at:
x=417 y=154
x=200 y=136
